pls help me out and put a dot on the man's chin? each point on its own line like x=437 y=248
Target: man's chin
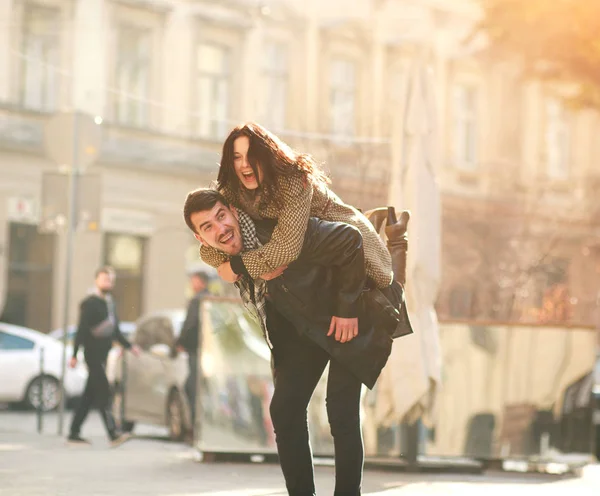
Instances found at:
x=232 y=251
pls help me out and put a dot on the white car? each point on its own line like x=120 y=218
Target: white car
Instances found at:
x=20 y=374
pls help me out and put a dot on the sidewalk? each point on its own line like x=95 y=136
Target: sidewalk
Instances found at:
x=32 y=465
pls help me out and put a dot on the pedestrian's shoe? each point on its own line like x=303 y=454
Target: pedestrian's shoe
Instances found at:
x=77 y=440
x=119 y=439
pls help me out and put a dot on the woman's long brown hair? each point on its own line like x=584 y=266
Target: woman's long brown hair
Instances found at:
x=275 y=158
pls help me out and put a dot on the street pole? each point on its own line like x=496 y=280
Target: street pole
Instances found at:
x=71 y=223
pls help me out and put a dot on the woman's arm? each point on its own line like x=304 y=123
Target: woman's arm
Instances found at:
x=212 y=256
x=288 y=236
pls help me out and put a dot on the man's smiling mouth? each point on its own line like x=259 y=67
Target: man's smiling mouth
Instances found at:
x=226 y=238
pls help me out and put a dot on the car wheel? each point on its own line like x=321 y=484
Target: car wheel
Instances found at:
x=175 y=420
x=50 y=397
x=122 y=424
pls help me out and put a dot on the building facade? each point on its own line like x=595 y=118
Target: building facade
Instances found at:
x=167 y=79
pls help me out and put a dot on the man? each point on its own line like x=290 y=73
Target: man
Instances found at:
x=317 y=312
x=190 y=336
x=98 y=326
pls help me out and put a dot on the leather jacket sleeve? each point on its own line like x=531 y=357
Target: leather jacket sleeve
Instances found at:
x=338 y=246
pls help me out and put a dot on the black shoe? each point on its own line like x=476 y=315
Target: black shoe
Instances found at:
x=77 y=440
x=119 y=439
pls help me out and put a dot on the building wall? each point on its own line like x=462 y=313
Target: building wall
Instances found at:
x=147 y=167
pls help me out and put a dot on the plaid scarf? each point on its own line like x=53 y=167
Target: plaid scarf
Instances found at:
x=252 y=292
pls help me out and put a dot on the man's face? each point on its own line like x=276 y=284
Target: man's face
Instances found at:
x=105 y=282
x=197 y=283
x=219 y=228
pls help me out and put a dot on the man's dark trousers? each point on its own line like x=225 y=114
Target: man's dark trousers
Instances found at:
x=96 y=394
x=298 y=366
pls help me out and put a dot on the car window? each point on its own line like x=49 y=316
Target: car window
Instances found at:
x=154 y=330
x=12 y=342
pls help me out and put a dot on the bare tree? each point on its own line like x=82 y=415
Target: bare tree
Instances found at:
x=506 y=256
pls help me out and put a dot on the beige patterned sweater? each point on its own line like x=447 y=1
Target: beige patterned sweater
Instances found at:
x=301 y=201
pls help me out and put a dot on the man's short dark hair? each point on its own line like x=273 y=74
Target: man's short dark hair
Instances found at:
x=201 y=275
x=200 y=200
x=106 y=269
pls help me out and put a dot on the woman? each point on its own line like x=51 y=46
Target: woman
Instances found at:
x=268 y=180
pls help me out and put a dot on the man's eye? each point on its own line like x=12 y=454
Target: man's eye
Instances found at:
x=206 y=228
x=221 y=216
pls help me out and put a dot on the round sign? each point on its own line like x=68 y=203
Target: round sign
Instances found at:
x=73 y=139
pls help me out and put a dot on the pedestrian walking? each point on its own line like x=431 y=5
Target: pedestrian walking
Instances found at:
x=191 y=336
x=98 y=327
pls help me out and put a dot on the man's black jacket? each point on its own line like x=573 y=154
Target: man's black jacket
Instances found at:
x=93 y=310
x=327 y=279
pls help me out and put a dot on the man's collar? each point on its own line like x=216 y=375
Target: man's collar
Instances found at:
x=247 y=230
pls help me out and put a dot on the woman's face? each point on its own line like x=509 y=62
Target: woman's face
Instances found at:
x=242 y=166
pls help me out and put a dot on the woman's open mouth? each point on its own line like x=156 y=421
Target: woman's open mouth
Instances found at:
x=248 y=176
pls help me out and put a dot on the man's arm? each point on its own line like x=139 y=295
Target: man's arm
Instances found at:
x=120 y=338
x=83 y=326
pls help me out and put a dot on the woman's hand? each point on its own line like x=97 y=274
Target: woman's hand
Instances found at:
x=226 y=273
x=272 y=275
x=344 y=329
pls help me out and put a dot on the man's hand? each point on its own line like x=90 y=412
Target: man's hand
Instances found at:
x=344 y=329
x=135 y=349
x=226 y=273
x=276 y=273
x=73 y=362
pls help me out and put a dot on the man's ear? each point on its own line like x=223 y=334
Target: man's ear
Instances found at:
x=202 y=242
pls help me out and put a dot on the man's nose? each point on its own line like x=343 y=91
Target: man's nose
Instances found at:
x=221 y=228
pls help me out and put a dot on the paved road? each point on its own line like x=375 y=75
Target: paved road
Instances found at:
x=32 y=465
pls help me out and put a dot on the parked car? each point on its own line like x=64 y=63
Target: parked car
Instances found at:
x=127 y=329
x=20 y=373
x=150 y=388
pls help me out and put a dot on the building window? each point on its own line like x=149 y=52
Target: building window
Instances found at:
x=40 y=58
x=133 y=76
x=30 y=275
x=275 y=86
x=125 y=253
x=557 y=140
x=212 y=90
x=465 y=127
x=343 y=97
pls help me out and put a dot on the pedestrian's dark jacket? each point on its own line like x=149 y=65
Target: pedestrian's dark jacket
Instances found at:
x=192 y=326
x=92 y=311
x=328 y=279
